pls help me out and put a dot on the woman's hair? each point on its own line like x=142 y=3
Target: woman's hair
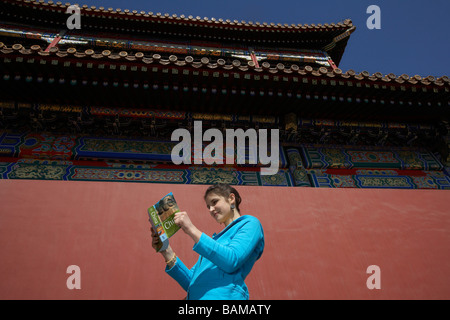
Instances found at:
x=224 y=190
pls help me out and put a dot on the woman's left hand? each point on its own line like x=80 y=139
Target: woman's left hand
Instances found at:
x=182 y=220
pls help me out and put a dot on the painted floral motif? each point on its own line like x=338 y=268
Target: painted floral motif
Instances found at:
x=386 y=182
x=335 y=158
x=213 y=175
x=300 y=176
x=275 y=179
x=45 y=172
x=372 y=156
x=126 y=146
x=103 y=174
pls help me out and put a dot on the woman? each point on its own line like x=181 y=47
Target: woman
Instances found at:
x=225 y=259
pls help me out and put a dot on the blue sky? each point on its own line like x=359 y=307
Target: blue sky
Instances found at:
x=413 y=39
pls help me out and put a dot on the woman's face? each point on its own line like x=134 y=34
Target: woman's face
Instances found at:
x=219 y=207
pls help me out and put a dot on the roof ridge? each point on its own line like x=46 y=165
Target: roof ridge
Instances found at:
x=135 y=13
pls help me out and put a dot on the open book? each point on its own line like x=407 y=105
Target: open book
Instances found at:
x=161 y=217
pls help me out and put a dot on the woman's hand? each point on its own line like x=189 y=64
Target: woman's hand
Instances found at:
x=168 y=253
x=182 y=220
x=155 y=240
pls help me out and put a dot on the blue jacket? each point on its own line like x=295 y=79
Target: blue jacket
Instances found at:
x=225 y=261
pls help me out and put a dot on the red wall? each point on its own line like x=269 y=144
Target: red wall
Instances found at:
x=319 y=242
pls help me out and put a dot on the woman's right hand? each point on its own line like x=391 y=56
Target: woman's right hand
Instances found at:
x=168 y=253
x=155 y=239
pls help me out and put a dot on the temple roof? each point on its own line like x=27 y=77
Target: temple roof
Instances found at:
x=203 y=85
x=200 y=82
x=118 y=13
x=330 y=37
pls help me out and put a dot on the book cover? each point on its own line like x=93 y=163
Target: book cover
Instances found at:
x=161 y=217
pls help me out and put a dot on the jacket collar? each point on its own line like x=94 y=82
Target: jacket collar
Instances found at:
x=217 y=235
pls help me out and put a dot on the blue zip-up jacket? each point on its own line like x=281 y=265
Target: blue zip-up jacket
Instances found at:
x=225 y=261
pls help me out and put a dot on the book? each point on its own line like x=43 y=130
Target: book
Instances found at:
x=161 y=217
